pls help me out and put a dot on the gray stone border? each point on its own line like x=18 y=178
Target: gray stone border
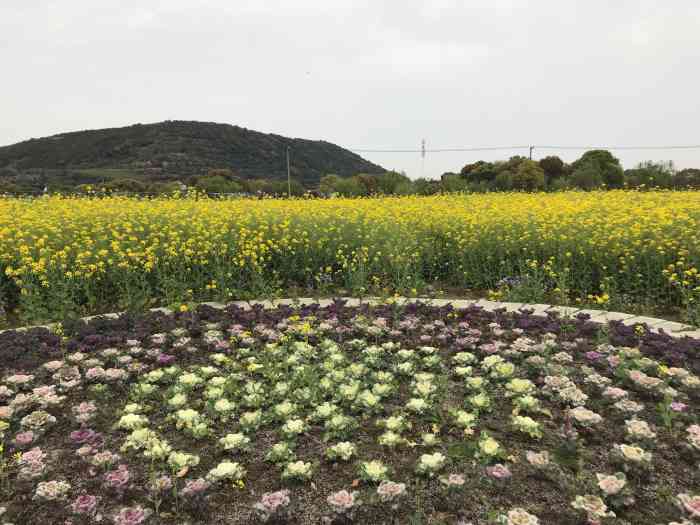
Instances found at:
x=598 y=316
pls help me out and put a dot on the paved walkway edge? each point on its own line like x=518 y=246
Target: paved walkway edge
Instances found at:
x=599 y=316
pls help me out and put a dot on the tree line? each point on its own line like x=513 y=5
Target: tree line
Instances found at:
x=595 y=169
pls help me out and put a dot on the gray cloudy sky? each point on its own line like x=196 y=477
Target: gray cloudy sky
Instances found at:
x=364 y=74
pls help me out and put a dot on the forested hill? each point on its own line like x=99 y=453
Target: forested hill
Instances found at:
x=184 y=148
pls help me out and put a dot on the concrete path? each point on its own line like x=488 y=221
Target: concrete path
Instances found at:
x=599 y=316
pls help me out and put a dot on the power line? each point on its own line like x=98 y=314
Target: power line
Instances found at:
x=506 y=148
x=620 y=147
x=289 y=176
x=438 y=150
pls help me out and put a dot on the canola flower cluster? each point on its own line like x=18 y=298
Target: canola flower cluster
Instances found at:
x=61 y=255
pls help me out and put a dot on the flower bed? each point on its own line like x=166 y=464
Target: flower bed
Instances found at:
x=376 y=414
x=66 y=256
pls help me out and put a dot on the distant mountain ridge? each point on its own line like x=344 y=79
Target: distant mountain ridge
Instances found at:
x=185 y=148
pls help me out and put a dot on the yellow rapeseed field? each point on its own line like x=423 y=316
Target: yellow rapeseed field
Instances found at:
x=69 y=255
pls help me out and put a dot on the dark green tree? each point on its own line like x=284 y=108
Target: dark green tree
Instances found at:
x=586 y=177
x=504 y=181
x=405 y=188
x=553 y=167
x=127 y=185
x=512 y=164
x=424 y=186
x=607 y=166
x=280 y=188
x=453 y=183
x=349 y=187
x=480 y=171
x=529 y=176
x=651 y=174
x=369 y=182
x=217 y=184
x=485 y=172
x=257 y=186
x=329 y=184
x=390 y=180
x=687 y=178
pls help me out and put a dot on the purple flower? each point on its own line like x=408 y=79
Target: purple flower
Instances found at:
x=272 y=504
x=677 y=406
x=161 y=484
x=165 y=359
x=132 y=516
x=118 y=479
x=453 y=480
x=388 y=490
x=462 y=342
x=613 y=361
x=489 y=348
x=84 y=411
x=84 y=435
x=342 y=501
x=272 y=500
x=22 y=439
x=95 y=373
x=35 y=455
x=593 y=355
x=85 y=504
x=194 y=488
x=115 y=374
x=498 y=471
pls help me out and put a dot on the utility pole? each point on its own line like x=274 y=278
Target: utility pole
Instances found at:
x=422 y=156
x=531 y=148
x=289 y=177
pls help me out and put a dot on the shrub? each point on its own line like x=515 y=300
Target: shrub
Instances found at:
x=587 y=177
x=528 y=177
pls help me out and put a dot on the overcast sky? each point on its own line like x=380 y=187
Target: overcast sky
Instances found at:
x=364 y=74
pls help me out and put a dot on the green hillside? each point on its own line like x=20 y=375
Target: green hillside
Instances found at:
x=172 y=150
